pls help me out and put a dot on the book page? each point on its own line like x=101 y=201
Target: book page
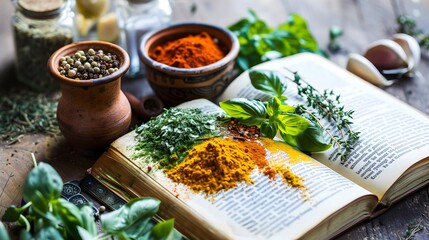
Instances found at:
x=271 y=209
x=393 y=135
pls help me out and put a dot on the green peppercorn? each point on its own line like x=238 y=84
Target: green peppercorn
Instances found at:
x=71 y=73
x=106 y=58
x=82 y=59
x=87 y=65
x=91 y=52
x=94 y=64
x=111 y=70
x=77 y=63
x=96 y=69
x=67 y=67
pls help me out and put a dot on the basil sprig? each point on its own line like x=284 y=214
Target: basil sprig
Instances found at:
x=260 y=42
x=47 y=216
x=275 y=116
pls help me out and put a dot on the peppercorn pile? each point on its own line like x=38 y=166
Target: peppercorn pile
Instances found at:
x=88 y=65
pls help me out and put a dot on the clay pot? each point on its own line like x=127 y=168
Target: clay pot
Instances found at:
x=92 y=113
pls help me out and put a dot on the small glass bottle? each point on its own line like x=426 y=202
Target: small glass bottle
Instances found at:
x=40 y=27
x=136 y=18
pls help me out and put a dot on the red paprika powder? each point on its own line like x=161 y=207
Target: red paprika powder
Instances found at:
x=188 y=52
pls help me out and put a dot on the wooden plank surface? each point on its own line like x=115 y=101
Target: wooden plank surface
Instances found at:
x=363 y=22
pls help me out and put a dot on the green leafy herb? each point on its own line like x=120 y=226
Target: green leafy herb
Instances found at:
x=25 y=112
x=327 y=106
x=297 y=125
x=47 y=216
x=259 y=42
x=408 y=26
x=165 y=140
x=334 y=33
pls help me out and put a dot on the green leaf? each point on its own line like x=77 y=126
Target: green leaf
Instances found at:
x=85 y=234
x=253 y=111
x=311 y=140
x=268 y=81
x=268 y=129
x=298 y=26
x=48 y=233
x=292 y=124
x=136 y=210
x=88 y=221
x=3 y=233
x=45 y=180
x=273 y=106
x=71 y=217
x=164 y=230
x=12 y=214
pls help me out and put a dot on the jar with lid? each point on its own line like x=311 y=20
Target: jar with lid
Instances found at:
x=40 y=27
x=136 y=18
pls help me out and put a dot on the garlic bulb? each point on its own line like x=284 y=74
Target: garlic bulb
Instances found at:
x=386 y=59
x=363 y=68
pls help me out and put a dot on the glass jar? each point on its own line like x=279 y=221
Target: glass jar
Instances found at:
x=40 y=28
x=136 y=18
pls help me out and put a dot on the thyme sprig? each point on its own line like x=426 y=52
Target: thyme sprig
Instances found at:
x=327 y=105
x=408 y=26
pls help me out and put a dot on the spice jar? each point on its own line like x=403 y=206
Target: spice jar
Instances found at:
x=40 y=27
x=136 y=18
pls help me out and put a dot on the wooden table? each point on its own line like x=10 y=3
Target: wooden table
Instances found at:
x=363 y=22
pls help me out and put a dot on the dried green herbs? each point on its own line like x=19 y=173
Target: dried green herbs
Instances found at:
x=167 y=138
x=35 y=41
x=24 y=112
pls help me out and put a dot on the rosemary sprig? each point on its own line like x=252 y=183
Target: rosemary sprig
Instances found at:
x=327 y=105
x=25 y=112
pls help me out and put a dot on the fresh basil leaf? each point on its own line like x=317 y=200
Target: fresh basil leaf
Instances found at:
x=85 y=234
x=311 y=140
x=24 y=235
x=268 y=81
x=298 y=26
x=12 y=214
x=88 y=221
x=273 y=106
x=3 y=232
x=283 y=108
x=164 y=230
x=292 y=124
x=134 y=211
x=43 y=179
x=48 y=233
x=70 y=215
x=139 y=229
x=243 y=108
x=268 y=129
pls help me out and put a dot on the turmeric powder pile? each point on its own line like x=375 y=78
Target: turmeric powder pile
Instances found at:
x=222 y=163
x=214 y=165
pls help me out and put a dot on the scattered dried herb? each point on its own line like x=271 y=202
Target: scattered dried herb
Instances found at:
x=166 y=139
x=25 y=112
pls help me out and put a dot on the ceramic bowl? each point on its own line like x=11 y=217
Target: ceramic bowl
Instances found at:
x=92 y=113
x=177 y=85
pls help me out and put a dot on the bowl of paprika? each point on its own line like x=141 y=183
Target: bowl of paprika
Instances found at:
x=187 y=61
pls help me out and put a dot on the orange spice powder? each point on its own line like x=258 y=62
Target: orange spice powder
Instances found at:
x=189 y=52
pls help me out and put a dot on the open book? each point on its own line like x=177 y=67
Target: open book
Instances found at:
x=389 y=161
